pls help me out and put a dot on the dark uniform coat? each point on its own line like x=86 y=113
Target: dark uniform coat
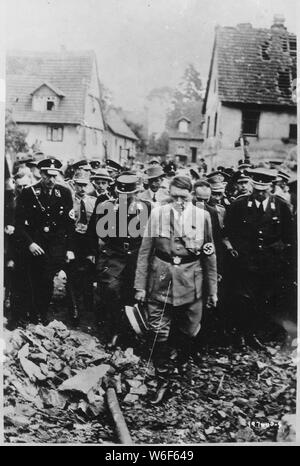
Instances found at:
x=47 y=220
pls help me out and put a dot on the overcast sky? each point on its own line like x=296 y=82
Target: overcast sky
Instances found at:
x=140 y=44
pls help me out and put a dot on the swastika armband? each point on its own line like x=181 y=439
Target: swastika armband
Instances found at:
x=208 y=249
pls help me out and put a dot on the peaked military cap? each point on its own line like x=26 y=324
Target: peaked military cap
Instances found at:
x=261 y=177
x=84 y=164
x=217 y=177
x=51 y=165
x=111 y=164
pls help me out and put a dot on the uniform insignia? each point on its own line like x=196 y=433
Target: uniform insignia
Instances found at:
x=72 y=214
x=250 y=203
x=57 y=192
x=208 y=249
x=38 y=191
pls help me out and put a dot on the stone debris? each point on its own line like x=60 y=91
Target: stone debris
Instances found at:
x=55 y=378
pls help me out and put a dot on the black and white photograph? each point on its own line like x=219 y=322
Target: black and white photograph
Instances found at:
x=149 y=200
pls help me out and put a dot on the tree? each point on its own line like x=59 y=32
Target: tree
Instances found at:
x=139 y=130
x=106 y=96
x=160 y=145
x=15 y=138
x=190 y=87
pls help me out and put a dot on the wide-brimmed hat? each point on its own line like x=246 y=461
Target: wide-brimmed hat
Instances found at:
x=262 y=177
x=101 y=173
x=154 y=172
x=52 y=166
x=127 y=184
x=154 y=161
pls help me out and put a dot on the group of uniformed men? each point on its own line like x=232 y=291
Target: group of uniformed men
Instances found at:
x=176 y=241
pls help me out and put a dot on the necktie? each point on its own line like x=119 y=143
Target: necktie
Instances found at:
x=154 y=197
x=261 y=210
x=83 y=217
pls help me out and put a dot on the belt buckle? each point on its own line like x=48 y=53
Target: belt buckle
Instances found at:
x=176 y=260
x=126 y=247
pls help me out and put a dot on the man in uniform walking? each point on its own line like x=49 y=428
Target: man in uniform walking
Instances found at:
x=259 y=234
x=117 y=228
x=80 y=270
x=45 y=225
x=177 y=274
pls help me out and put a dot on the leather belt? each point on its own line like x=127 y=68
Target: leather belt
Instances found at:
x=175 y=260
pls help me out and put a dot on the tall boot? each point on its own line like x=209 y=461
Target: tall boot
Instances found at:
x=184 y=351
x=161 y=363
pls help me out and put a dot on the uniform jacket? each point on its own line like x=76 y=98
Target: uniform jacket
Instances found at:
x=161 y=196
x=43 y=219
x=177 y=284
x=260 y=241
x=121 y=245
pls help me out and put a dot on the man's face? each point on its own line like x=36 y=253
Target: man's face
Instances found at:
x=100 y=185
x=216 y=197
x=48 y=180
x=180 y=198
x=154 y=184
x=243 y=187
x=203 y=193
x=80 y=189
x=261 y=194
x=20 y=185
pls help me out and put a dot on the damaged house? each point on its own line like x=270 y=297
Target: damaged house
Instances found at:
x=251 y=92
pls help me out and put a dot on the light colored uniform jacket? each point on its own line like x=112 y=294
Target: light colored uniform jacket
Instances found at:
x=184 y=283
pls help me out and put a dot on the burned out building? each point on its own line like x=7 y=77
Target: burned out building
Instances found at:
x=251 y=91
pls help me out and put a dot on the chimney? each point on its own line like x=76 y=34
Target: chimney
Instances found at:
x=278 y=23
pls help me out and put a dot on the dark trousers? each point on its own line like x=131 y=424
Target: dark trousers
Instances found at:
x=115 y=280
x=41 y=271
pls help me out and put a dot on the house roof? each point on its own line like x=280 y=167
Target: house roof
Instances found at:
x=249 y=64
x=118 y=126
x=56 y=90
x=191 y=112
x=68 y=72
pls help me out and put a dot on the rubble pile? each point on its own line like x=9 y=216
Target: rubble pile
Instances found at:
x=55 y=381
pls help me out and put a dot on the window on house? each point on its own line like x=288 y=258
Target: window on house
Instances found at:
x=284 y=44
x=293 y=132
x=265 y=50
x=284 y=83
x=293 y=47
x=216 y=124
x=207 y=128
x=55 y=133
x=183 y=126
x=250 y=120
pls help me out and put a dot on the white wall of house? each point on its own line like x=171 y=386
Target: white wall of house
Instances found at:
x=119 y=148
x=66 y=149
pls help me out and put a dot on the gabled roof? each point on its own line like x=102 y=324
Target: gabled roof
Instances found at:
x=249 y=62
x=56 y=90
x=68 y=72
x=118 y=126
x=192 y=111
